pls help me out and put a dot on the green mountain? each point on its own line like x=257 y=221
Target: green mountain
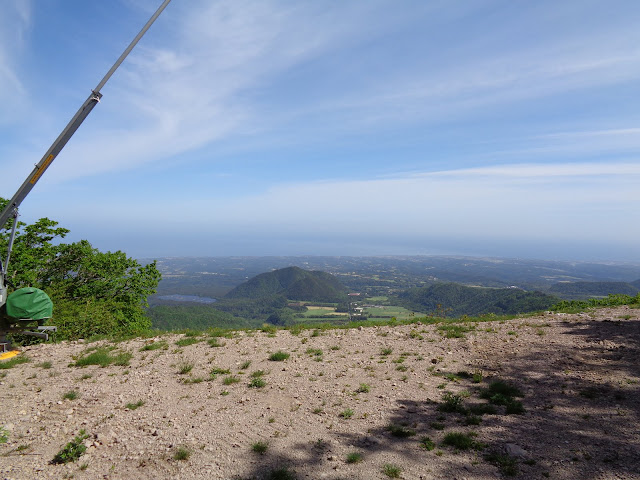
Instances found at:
x=292 y=283
x=581 y=290
x=455 y=300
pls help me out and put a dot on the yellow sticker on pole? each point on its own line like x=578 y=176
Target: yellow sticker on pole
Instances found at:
x=38 y=174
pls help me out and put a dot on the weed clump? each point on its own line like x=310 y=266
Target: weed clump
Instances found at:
x=278 y=356
x=391 y=470
x=400 y=431
x=181 y=454
x=503 y=393
x=460 y=441
x=72 y=451
x=12 y=362
x=427 y=443
x=452 y=402
x=260 y=447
x=103 y=356
x=162 y=344
x=354 y=457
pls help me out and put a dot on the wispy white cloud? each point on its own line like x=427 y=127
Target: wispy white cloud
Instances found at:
x=557 y=203
x=14 y=21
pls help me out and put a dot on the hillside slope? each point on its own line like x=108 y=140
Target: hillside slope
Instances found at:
x=455 y=300
x=379 y=392
x=294 y=283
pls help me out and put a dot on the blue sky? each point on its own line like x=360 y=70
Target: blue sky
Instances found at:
x=246 y=127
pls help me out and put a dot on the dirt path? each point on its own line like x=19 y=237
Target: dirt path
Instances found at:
x=369 y=396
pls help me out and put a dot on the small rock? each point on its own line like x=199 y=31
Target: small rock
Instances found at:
x=514 y=450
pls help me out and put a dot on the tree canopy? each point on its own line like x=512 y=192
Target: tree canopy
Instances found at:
x=93 y=292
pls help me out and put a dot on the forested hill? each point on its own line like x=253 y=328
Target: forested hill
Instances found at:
x=294 y=283
x=582 y=290
x=455 y=300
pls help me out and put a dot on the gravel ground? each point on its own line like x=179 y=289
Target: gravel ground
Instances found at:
x=337 y=394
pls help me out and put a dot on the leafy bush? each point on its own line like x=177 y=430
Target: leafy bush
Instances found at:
x=93 y=292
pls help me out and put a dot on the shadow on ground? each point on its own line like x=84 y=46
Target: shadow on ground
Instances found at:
x=582 y=406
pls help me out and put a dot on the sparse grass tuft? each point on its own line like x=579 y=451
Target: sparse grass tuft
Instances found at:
x=363 y=388
x=386 y=351
x=391 y=470
x=257 y=382
x=282 y=473
x=245 y=365
x=102 y=356
x=12 y=362
x=346 y=413
x=507 y=465
x=260 y=447
x=460 y=440
x=133 y=406
x=184 y=342
x=452 y=402
x=427 y=443
x=162 y=344
x=278 y=356
x=45 y=365
x=185 y=368
x=231 y=379
x=71 y=395
x=182 y=453
x=400 y=431
x=354 y=457
x=215 y=342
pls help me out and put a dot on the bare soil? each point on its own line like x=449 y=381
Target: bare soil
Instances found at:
x=337 y=394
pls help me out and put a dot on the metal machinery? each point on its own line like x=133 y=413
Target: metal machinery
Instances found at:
x=33 y=326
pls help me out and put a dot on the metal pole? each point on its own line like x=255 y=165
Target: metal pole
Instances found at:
x=11 y=208
x=71 y=127
x=131 y=45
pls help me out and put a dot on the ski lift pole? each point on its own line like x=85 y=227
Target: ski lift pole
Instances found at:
x=11 y=210
x=71 y=127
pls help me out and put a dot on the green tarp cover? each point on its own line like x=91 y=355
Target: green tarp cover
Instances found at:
x=30 y=303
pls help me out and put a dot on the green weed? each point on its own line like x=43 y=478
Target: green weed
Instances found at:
x=279 y=356
x=260 y=447
x=133 y=406
x=354 y=457
x=72 y=451
x=391 y=470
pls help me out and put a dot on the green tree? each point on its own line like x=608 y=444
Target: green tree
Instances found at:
x=93 y=292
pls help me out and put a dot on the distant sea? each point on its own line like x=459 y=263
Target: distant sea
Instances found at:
x=187 y=298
